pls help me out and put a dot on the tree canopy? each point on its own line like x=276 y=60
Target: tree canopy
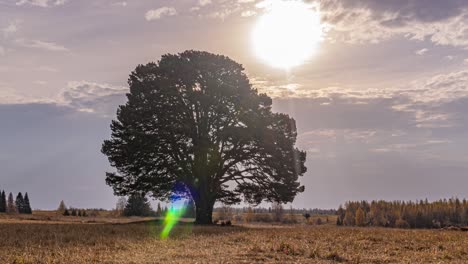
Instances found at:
x=193 y=126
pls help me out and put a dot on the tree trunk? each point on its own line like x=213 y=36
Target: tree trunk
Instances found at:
x=204 y=210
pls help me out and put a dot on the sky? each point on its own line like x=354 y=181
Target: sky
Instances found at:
x=381 y=106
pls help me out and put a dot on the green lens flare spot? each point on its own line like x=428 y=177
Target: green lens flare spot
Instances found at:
x=171 y=219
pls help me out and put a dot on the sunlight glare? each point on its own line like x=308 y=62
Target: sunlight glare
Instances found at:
x=288 y=34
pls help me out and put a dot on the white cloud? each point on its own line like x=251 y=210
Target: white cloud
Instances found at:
x=248 y=13
x=41 y=3
x=39 y=44
x=60 y=2
x=8 y=95
x=47 y=69
x=160 y=12
x=40 y=82
x=421 y=52
x=121 y=4
x=204 y=2
x=12 y=28
x=373 y=23
x=100 y=98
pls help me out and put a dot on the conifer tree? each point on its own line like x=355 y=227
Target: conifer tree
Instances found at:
x=11 y=207
x=27 y=205
x=20 y=203
x=66 y=212
x=3 y=204
x=137 y=205
x=73 y=213
x=62 y=207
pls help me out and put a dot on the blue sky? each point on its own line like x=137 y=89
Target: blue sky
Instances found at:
x=381 y=107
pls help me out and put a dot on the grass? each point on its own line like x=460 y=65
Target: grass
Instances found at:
x=38 y=241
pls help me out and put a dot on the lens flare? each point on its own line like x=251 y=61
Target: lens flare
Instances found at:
x=176 y=211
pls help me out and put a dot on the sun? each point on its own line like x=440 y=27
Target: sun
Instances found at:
x=288 y=34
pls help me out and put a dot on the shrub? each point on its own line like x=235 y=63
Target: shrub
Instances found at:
x=318 y=221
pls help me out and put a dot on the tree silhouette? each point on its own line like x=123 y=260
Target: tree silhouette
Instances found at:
x=20 y=203
x=3 y=202
x=137 y=205
x=11 y=207
x=62 y=207
x=27 y=205
x=193 y=126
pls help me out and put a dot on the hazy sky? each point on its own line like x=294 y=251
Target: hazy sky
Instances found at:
x=382 y=106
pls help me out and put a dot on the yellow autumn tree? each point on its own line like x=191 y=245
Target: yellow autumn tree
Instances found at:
x=360 y=217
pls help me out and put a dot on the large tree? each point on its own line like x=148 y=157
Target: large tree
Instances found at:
x=194 y=126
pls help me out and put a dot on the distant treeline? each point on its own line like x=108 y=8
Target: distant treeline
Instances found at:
x=21 y=205
x=400 y=214
x=263 y=210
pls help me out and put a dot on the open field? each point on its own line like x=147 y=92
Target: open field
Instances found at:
x=26 y=241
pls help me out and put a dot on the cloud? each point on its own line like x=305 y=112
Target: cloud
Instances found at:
x=12 y=28
x=204 y=2
x=100 y=98
x=41 y=3
x=224 y=9
x=121 y=4
x=159 y=13
x=39 y=44
x=10 y=96
x=373 y=21
x=248 y=13
x=421 y=52
x=44 y=68
x=2 y=51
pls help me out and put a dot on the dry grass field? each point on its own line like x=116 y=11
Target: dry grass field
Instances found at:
x=40 y=241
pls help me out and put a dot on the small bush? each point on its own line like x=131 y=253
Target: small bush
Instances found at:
x=318 y=221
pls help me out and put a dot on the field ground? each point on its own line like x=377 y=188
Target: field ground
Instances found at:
x=35 y=240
